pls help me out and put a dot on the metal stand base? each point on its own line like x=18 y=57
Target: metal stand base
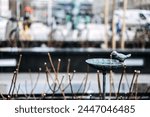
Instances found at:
x=104 y=85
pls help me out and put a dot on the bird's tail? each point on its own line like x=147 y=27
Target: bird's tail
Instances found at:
x=128 y=55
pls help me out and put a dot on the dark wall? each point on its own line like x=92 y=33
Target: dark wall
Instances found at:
x=33 y=59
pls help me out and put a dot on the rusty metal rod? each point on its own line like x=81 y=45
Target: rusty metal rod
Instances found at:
x=56 y=75
x=120 y=81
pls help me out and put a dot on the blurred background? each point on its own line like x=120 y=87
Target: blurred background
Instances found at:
x=106 y=24
x=73 y=30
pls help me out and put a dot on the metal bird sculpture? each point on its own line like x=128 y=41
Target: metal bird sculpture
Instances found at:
x=119 y=56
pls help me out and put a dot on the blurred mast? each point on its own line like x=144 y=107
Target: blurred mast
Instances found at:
x=123 y=25
x=106 y=23
x=113 y=26
x=0 y=8
x=18 y=8
x=49 y=19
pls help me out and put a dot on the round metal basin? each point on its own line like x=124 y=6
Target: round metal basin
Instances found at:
x=104 y=64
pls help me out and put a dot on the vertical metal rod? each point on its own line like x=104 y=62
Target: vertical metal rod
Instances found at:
x=99 y=84
x=131 y=85
x=136 y=84
x=104 y=85
x=110 y=80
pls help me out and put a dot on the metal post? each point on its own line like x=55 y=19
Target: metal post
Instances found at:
x=104 y=85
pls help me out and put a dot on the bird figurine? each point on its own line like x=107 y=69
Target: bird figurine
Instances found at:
x=119 y=56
